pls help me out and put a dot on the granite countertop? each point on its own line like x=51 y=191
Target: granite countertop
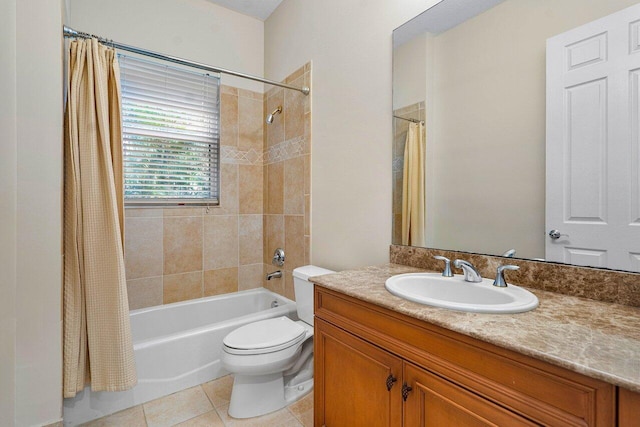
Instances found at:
x=597 y=339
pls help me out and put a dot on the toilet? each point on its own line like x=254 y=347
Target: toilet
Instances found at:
x=272 y=359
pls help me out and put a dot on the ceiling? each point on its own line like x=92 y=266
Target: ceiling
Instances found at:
x=260 y=9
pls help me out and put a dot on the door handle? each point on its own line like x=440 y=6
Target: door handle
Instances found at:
x=405 y=391
x=555 y=234
x=390 y=381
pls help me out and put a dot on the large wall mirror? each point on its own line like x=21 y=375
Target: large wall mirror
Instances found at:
x=528 y=115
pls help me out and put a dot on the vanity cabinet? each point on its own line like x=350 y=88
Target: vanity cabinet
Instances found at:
x=356 y=379
x=376 y=367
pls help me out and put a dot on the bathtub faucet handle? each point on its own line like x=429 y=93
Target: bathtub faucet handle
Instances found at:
x=278 y=257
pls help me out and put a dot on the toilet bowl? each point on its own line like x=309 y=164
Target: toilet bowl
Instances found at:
x=272 y=359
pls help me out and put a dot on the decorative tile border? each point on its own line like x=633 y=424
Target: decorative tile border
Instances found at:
x=587 y=282
x=231 y=155
x=277 y=153
x=285 y=150
x=398 y=164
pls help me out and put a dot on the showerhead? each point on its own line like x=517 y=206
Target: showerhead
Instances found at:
x=273 y=113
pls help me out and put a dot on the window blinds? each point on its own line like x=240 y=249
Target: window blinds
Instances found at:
x=171 y=134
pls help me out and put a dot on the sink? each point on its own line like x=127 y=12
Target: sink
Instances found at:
x=456 y=294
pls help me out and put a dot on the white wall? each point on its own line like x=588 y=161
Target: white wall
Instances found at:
x=197 y=30
x=409 y=72
x=8 y=207
x=349 y=43
x=30 y=213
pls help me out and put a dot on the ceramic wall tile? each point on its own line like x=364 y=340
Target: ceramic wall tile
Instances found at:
x=182 y=287
x=221 y=281
x=220 y=241
x=250 y=119
x=229 y=120
x=293 y=198
x=143 y=247
x=250 y=276
x=250 y=239
x=182 y=242
x=294 y=240
x=250 y=189
x=145 y=292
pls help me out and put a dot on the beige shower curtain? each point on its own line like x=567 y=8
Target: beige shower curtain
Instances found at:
x=413 y=191
x=97 y=344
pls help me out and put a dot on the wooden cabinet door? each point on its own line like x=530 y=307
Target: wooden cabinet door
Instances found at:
x=354 y=381
x=434 y=401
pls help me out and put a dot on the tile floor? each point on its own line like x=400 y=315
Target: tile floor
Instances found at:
x=205 y=405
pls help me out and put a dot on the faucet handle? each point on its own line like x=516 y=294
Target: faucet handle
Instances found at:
x=447 y=265
x=278 y=257
x=500 y=282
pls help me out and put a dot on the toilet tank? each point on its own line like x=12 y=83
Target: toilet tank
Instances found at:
x=303 y=289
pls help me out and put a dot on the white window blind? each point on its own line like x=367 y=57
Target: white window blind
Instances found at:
x=170 y=124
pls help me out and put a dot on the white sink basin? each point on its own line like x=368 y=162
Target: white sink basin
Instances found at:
x=456 y=294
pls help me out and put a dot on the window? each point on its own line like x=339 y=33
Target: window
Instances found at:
x=171 y=138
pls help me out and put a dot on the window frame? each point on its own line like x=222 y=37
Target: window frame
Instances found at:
x=214 y=145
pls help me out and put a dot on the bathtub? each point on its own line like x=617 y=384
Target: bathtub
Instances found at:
x=178 y=346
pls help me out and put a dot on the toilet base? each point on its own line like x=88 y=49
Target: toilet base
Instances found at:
x=255 y=395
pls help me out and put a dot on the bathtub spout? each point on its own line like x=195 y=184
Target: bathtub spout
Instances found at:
x=274 y=275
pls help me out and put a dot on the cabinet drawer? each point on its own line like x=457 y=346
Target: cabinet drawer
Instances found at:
x=544 y=393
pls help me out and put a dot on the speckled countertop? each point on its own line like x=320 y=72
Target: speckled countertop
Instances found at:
x=597 y=339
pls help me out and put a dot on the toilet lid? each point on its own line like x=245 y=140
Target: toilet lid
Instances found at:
x=265 y=334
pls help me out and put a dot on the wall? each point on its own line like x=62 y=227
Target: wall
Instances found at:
x=287 y=190
x=30 y=245
x=8 y=210
x=409 y=71
x=197 y=30
x=350 y=46
x=490 y=75
x=176 y=254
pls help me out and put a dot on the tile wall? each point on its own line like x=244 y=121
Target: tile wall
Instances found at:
x=177 y=254
x=287 y=189
x=400 y=129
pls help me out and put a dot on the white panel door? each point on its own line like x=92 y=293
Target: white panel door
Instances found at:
x=593 y=135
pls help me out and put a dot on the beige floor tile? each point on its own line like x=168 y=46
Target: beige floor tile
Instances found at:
x=219 y=391
x=190 y=408
x=303 y=410
x=281 y=418
x=132 y=417
x=178 y=407
x=210 y=419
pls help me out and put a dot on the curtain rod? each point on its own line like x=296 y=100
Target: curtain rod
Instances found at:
x=70 y=32
x=409 y=120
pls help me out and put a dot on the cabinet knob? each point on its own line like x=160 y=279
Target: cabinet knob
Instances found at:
x=390 y=381
x=405 y=391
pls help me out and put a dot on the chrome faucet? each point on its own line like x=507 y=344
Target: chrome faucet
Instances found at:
x=500 y=282
x=274 y=275
x=510 y=253
x=470 y=272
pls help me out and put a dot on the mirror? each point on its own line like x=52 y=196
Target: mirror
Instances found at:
x=475 y=72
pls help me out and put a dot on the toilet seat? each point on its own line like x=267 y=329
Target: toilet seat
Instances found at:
x=265 y=336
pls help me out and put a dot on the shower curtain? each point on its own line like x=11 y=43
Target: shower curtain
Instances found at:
x=413 y=190
x=97 y=346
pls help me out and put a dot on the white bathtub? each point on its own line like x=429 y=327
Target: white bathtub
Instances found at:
x=178 y=346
